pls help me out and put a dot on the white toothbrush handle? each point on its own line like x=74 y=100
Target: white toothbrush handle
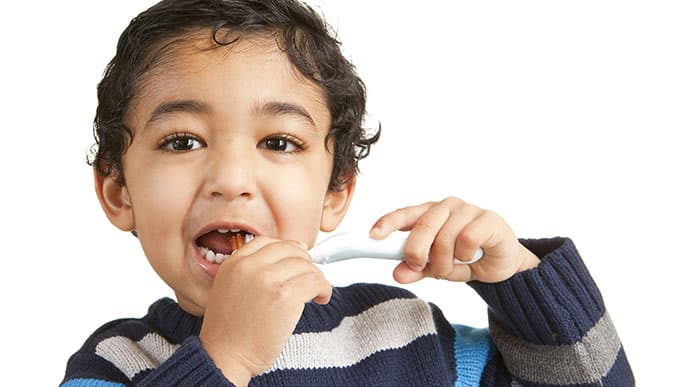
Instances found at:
x=345 y=246
x=392 y=247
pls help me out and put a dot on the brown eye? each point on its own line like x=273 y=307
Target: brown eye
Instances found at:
x=276 y=144
x=281 y=144
x=181 y=143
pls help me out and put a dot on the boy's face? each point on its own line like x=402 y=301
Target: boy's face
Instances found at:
x=228 y=138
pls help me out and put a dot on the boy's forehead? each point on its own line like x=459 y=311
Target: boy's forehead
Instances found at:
x=189 y=69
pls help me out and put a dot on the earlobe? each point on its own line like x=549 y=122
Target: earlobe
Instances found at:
x=335 y=206
x=115 y=201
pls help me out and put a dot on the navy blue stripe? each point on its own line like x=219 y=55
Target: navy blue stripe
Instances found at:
x=620 y=375
x=446 y=338
x=547 y=305
x=168 y=319
x=386 y=368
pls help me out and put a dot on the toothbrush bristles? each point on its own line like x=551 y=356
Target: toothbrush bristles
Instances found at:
x=236 y=241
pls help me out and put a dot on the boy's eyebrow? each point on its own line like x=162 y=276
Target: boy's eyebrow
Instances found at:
x=286 y=108
x=187 y=106
x=198 y=107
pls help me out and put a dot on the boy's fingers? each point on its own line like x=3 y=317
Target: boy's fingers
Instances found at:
x=402 y=219
x=403 y=274
x=291 y=277
x=276 y=248
x=310 y=286
x=422 y=236
x=442 y=253
x=287 y=268
x=461 y=273
x=475 y=234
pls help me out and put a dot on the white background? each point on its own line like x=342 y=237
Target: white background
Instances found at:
x=564 y=117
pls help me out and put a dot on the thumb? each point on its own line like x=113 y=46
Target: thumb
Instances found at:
x=403 y=274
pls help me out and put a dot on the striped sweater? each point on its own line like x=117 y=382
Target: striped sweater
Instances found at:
x=548 y=326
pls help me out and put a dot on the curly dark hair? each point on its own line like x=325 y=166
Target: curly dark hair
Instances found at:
x=299 y=32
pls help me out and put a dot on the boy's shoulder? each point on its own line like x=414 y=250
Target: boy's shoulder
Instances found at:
x=124 y=347
x=165 y=319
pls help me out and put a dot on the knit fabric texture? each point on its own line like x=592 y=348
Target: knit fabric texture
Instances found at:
x=548 y=327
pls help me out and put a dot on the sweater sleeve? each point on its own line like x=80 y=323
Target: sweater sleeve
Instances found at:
x=130 y=365
x=550 y=326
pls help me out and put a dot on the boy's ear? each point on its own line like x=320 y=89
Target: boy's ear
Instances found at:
x=335 y=206
x=114 y=198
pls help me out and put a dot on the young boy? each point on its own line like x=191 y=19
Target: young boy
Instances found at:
x=228 y=134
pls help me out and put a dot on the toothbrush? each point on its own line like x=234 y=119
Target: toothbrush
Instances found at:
x=344 y=246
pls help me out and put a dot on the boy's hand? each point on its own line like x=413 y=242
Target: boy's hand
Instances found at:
x=452 y=228
x=257 y=298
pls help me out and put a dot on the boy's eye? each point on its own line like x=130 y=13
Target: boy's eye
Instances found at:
x=181 y=143
x=282 y=143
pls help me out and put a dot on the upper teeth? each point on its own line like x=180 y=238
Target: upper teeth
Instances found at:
x=226 y=230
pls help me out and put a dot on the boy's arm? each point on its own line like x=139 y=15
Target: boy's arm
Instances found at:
x=550 y=325
x=547 y=317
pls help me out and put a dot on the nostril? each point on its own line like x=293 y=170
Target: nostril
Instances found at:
x=216 y=194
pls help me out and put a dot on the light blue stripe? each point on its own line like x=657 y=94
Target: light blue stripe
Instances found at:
x=472 y=349
x=90 y=383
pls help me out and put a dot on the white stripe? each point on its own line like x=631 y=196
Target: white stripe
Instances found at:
x=388 y=325
x=132 y=357
x=157 y=347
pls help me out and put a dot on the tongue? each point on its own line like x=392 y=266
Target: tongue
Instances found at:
x=219 y=243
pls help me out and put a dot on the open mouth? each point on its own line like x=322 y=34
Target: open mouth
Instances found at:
x=215 y=246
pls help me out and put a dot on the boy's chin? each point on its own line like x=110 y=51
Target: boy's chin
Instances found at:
x=194 y=308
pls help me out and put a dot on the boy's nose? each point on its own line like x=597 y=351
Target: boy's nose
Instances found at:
x=230 y=173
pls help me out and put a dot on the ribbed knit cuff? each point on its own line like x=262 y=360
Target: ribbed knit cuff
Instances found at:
x=554 y=303
x=190 y=365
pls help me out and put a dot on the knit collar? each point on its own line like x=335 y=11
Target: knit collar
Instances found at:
x=172 y=322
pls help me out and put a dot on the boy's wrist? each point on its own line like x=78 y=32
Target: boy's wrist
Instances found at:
x=239 y=377
x=528 y=260
x=230 y=367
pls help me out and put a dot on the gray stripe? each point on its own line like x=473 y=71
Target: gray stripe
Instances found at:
x=587 y=361
x=389 y=325
x=132 y=357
